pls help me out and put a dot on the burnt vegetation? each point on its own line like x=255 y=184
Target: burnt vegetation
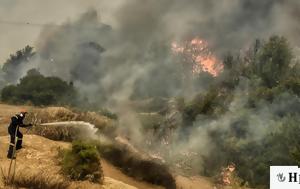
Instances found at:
x=177 y=98
x=273 y=82
x=136 y=166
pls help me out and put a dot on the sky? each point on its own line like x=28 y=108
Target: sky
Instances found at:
x=224 y=23
x=15 y=33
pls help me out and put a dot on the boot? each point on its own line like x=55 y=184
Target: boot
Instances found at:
x=19 y=144
x=10 y=153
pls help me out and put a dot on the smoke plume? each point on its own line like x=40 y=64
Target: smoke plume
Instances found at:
x=123 y=53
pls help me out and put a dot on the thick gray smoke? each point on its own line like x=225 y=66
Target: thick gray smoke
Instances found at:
x=138 y=35
x=225 y=24
x=127 y=52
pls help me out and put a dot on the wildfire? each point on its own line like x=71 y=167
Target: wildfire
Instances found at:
x=197 y=53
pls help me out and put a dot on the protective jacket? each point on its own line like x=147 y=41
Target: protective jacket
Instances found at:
x=16 y=122
x=13 y=130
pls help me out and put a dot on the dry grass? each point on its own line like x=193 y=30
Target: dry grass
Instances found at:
x=58 y=133
x=51 y=114
x=66 y=133
x=37 y=180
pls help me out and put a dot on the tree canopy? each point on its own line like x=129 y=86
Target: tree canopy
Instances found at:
x=40 y=90
x=13 y=65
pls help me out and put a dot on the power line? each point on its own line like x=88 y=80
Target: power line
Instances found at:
x=30 y=24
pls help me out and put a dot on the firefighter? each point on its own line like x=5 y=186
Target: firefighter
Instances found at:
x=13 y=131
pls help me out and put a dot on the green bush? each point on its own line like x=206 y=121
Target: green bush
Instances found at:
x=212 y=103
x=150 y=120
x=254 y=158
x=108 y=113
x=82 y=162
x=37 y=89
x=262 y=94
x=292 y=84
x=274 y=58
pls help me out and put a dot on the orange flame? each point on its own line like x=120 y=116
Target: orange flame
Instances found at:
x=197 y=53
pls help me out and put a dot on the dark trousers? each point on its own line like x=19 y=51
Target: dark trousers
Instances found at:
x=13 y=141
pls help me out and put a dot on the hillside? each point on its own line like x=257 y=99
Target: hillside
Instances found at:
x=40 y=154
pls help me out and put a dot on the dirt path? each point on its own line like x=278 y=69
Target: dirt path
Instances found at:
x=193 y=183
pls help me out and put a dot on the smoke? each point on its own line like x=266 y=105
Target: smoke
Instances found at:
x=140 y=33
x=22 y=21
x=226 y=25
x=238 y=126
x=125 y=53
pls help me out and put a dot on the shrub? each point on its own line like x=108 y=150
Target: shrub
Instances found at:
x=57 y=132
x=150 y=120
x=37 y=89
x=107 y=113
x=262 y=93
x=280 y=146
x=82 y=162
x=211 y=103
x=292 y=84
x=275 y=57
x=137 y=167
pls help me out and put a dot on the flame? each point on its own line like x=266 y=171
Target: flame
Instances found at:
x=197 y=53
x=176 y=48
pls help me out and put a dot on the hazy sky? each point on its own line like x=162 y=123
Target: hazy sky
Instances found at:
x=15 y=33
x=223 y=22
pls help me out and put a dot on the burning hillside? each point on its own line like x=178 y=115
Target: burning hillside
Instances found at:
x=197 y=54
x=170 y=74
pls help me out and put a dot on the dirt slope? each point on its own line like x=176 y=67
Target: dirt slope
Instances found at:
x=39 y=154
x=193 y=183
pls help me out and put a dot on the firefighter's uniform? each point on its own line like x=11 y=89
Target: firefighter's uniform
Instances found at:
x=13 y=130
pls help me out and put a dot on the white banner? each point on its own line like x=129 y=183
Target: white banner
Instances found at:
x=284 y=177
